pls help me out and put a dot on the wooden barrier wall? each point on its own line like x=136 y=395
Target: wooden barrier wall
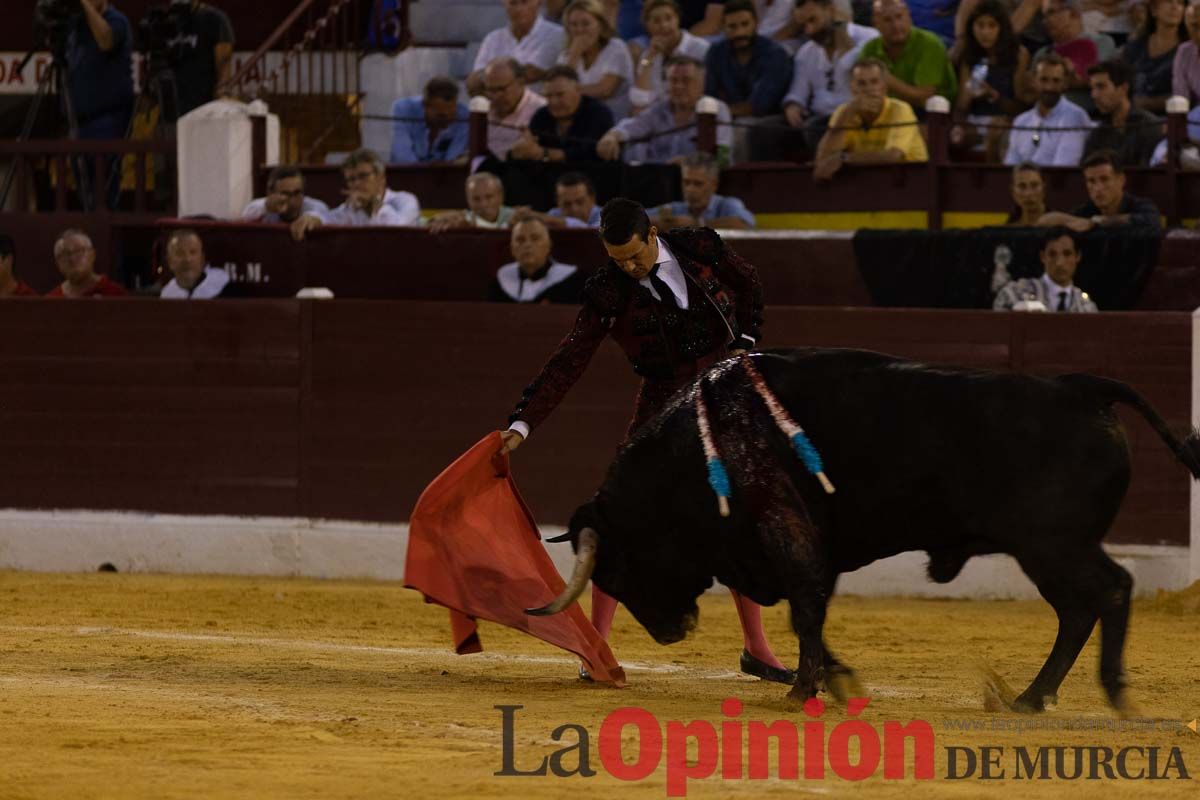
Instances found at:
x=346 y=409
x=811 y=268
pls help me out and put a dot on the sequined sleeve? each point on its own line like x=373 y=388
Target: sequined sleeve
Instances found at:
x=740 y=275
x=564 y=367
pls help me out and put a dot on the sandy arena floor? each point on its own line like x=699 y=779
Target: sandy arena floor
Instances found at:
x=138 y=686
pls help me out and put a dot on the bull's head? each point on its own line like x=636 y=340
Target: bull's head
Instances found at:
x=661 y=595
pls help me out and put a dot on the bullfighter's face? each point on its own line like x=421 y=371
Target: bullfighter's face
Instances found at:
x=637 y=256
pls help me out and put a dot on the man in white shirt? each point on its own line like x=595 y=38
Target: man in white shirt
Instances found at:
x=512 y=104
x=369 y=202
x=529 y=39
x=1045 y=142
x=194 y=278
x=285 y=200
x=1053 y=289
x=821 y=77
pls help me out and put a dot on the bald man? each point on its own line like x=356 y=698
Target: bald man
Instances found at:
x=918 y=67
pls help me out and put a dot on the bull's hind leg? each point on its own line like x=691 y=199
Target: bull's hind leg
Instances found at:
x=1083 y=587
x=1114 y=623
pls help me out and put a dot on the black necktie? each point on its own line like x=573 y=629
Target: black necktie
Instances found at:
x=1062 y=301
x=660 y=286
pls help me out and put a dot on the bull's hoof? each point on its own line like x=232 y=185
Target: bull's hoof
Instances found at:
x=1028 y=704
x=753 y=666
x=843 y=684
x=799 y=695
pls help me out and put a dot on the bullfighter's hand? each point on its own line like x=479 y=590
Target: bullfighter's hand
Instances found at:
x=737 y=352
x=510 y=440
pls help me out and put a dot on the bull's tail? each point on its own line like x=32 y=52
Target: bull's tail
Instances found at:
x=1186 y=450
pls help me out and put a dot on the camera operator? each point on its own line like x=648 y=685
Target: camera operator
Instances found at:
x=203 y=52
x=99 y=61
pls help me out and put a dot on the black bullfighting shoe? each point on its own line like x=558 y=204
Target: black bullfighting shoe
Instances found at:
x=752 y=666
x=584 y=675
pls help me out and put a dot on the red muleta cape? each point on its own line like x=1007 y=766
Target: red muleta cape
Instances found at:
x=473 y=547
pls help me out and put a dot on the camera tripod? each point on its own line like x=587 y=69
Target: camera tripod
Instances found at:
x=56 y=76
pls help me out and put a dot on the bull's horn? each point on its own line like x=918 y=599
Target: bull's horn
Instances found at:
x=585 y=562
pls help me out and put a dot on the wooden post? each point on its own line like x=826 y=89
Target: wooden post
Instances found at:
x=937 y=117
x=477 y=128
x=706 y=125
x=1177 y=110
x=258 y=153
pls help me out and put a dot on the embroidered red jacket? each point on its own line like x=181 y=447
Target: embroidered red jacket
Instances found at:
x=725 y=310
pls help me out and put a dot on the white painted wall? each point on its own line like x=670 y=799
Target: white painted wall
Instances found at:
x=81 y=541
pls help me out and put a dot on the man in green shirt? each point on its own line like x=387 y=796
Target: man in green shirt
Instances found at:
x=917 y=61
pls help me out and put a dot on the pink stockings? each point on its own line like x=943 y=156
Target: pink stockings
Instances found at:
x=604 y=606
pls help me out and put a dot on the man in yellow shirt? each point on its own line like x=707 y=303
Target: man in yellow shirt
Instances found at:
x=872 y=128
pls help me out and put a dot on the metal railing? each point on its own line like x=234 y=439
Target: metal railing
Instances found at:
x=56 y=164
x=314 y=51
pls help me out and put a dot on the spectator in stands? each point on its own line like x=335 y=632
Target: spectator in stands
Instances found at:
x=430 y=128
x=568 y=126
x=10 y=285
x=776 y=22
x=369 y=201
x=1055 y=129
x=100 y=83
x=601 y=59
x=285 y=201
x=701 y=206
x=203 y=52
x=1152 y=53
x=1109 y=205
x=668 y=126
x=529 y=40
x=195 y=278
x=1132 y=132
x=916 y=60
x=748 y=72
x=1028 y=194
x=872 y=128
x=1064 y=26
x=667 y=38
x=821 y=69
x=512 y=105
x=534 y=277
x=576 y=196
x=1185 y=79
x=485 y=206
x=1024 y=15
x=1054 y=288
x=76 y=260
x=936 y=17
x=992 y=78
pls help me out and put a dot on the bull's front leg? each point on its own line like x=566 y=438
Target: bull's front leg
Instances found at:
x=808 y=600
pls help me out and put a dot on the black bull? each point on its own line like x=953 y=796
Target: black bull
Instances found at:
x=954 y=462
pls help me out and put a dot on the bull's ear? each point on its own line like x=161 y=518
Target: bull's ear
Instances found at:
x=566 y=537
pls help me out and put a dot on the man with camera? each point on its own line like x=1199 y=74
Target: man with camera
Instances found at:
x=202 y=50
x=99 y=68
